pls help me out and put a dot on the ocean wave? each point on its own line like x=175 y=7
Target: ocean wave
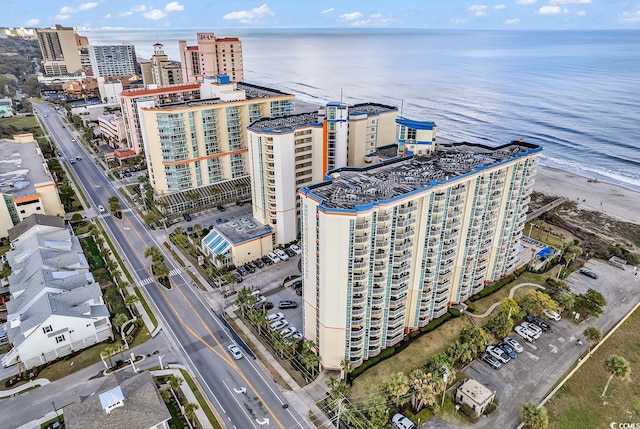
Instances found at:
x=592 y=172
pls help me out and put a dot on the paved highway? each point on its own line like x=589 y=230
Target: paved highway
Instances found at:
x=243 y=395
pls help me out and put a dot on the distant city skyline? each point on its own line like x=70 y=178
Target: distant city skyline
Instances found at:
x=475 y=14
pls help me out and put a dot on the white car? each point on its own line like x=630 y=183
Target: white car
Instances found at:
x=533 y=334
x=274 y=317
x=281 y=254
x=553 y=315
x=498 y=354
x=297 y=335
x=101 y=208
x=235 y=351
x=288 y=331
x=400 y=421
x=524 y=333
x=295 y=248
x=279 y=324
x=274 y=258
x=533 y=328
x=514 y=344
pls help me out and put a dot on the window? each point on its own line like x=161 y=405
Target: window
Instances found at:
x=60 y=339
x=47 y=329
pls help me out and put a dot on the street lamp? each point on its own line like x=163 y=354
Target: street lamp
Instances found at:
x=56 y=411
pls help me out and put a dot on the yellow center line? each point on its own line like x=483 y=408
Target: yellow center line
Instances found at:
x=192 y=332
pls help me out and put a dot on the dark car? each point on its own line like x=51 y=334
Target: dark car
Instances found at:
x=221 y=208
x=290 y=252
x=287 y=304
x=299 y=292
x=297 y=284
x=238 y=278
x=243 y=271
x=588 y=273
x=267 y=260
x=538 y=322
x=264 y=305
x=493 y=362
x=249 y=267
x=258 y=263
x=186 y=217
x=507 y=349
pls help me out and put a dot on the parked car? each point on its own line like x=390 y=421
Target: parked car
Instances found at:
x=299 y=292
x=514 y=344
x=263 y=305
x=588 y=273
x=524 y=333
x=258 y=263
x=186 y=217
x=553 y=315
x=295 y=248
x=539 y=322
x=274 y=258
x=400 y=421
x=296 y=284
x=288 y=331
x=507 y=349
x=267 y=260
x=220 y=208
x=499 y=354
x=238 y=278
x=537 y=331
x=274 y=317
x=297 y=335
x=235 y=351
x=493 y=362
x=290 y=253
x=287 y=304
x=279 y=324
x=243 y=271
x=249 y=267
x=79 y=158
x=281 y=254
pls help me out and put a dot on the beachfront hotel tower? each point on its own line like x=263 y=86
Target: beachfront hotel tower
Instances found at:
x=202 y=142
x=288 y=153
x=211 y=56
x=389 y=247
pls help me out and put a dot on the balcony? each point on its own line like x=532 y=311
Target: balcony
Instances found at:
x=357 y=344
x=359 y=289
x=363 y=226
x=360 y=239
x=437 y=210
x=399 y=281
x=406 y=234
x=397 y=302
x=445 y=284
x=357 y=353
x=378 y=292
x=403 y=247
x=358 y=301
x=384 y=217
x=392 y=333
x=400 y=271
x=377 y=313
x=459 y=191
x=380 y=268
x=359 y=277
x=450 y=246
x=402 y=257
x=406 y=222
x=407 y=209
x=381 y=256
x=357 y=332
x=360 y=253
x=374 y=343
x=358 y=312
x=361 y=265
x=356 y=361
x=383 y=230
x=394 y=323
x=382 y=243
x=456 y=203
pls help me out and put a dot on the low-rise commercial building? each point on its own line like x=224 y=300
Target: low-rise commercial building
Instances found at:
x=475 y=395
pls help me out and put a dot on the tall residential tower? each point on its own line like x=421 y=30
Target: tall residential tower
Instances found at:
x=211 y=56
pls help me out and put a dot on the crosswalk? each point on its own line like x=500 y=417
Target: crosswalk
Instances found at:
x=149 y=280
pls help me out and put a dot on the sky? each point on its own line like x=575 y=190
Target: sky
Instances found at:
x=462 y=14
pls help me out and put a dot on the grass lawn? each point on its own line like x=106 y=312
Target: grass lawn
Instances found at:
x=69 y=365
x=24 y=123
x=204 y=405
x=414 y=356
x=578 y=405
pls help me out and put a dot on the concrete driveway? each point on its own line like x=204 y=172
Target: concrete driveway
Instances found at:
x=530 y=376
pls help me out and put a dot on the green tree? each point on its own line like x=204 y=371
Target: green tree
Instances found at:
x=460 y=352
x=534 y=417
x=190 y=411
x=475 y=337
x=119 y=320
x=396 y=387
x=565 y=301
x=376 y=412
x=500 y=325
x=590 y=303
x=114 y=206
x=555 y=286
x=346 y=367
x=618 y=367
x=509 y=306
x=107 y=353
x=593 y=336
x=245 y=300
x=424 y=389
x=534 y=302
x=174 y=383
x=280 y=343
x=130 y=302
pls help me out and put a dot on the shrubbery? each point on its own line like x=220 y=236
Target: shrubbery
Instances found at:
x=385 y=354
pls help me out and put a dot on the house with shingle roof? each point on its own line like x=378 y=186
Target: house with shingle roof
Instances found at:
x=124 y=400
x=56 y=307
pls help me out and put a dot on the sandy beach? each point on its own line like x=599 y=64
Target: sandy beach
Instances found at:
x=613 y=200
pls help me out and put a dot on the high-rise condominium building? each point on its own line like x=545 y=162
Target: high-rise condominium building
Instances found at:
x=159 y=70
x=211 y=56
x=388 y=247
x=60 y=48
x=298 y=150
x=203 y=142
x=113 y=60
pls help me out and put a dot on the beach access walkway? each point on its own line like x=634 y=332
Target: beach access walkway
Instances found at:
x=552 y=205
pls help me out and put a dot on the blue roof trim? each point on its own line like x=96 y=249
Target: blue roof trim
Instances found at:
x=416 y=125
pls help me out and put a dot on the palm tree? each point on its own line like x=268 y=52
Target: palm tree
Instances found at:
x=396 y=388
x=122 y=288
x=119 y=320
x=533 y=416
x=280 y=344
x=130 y=302
x=337 y=388
x=174 y=383
x=345 y=368
x=618 y=367
x=593 y=335
x=245 y=300
x=190 y=411
x=108 y=352
x=461 y=352
x=424 y=389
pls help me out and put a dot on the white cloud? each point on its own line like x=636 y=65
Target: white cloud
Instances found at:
x=61 y=17
x=174 y=6
x=526 y=2
x=328 y=11
x=68 y=10
x=499 y=6
x=630 y=17
x=154 y=14
x=478 y=10
x=107 y=16
x=252 y=16
x=560 y=2
x=351 y=16
x=581 y=12
x=87 y=6
x=512 y=21
x=458 y=21
x=140 y=8
x=550 y=10
x=374 y=20
x=32 y=22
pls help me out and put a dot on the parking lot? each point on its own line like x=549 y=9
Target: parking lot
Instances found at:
x=530 y=376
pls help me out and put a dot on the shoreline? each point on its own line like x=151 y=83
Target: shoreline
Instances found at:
x=601 y=196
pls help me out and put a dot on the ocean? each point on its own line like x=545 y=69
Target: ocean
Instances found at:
x=576 y=93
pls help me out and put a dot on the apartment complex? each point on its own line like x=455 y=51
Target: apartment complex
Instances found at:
x=203 y=142
x=26 y=184
x=112 y=130
x=56 y=306
x=298 y=150
x=60 y=48
x=389 y=247
x=159 y=70
x=113 y=60
x=211 y=56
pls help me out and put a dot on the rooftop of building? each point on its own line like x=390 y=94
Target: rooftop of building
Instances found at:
x=241 y=229
x=475 y=391
x=371 y=108
x=141 y=92
x=34 y=220
x=252 y=92
x=287 y=123
x=350 y=187
x=21 y=168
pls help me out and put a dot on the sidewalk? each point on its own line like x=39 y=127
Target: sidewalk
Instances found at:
x=35 y=383
x=188 y=394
